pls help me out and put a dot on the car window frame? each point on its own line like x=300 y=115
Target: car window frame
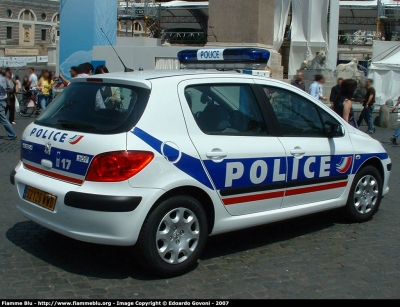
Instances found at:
x=274 y=118
x=124 y=127
x=270 y=127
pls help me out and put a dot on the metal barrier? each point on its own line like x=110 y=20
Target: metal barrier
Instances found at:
x=185 y=37
x=147 y=9
x=357 y=39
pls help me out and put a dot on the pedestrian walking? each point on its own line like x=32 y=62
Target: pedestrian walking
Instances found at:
x=298 y=81
x=396 y=134
x=33 y=82
x=17 y=90
x=11 y=135
x=17 y=84
x=73 y=71
x=26 y=89
x=344 y=102
x=10 y=97
x=101 y=69
x=85 y=69
x=315 y=89
x=368 y=104
x=45 y=84
x=335 y=91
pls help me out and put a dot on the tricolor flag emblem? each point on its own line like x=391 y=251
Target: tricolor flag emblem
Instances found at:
x=76 y=139
x=344 y=165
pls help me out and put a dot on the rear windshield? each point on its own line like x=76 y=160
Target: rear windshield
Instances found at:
x=99 y=108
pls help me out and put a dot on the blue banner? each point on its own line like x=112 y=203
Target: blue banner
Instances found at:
x=80 y=29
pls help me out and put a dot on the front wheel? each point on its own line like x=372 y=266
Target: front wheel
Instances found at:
x=27 y=107
x=365 y=195
x=173 y=236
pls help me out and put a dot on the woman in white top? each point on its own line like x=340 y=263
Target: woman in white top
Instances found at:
x=17 y=84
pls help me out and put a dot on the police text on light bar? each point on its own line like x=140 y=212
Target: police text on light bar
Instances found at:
x=233 y=55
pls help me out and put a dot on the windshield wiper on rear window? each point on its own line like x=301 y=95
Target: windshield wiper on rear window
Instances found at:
x=71 y=124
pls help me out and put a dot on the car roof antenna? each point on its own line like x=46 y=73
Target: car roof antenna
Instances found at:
x=126 y=69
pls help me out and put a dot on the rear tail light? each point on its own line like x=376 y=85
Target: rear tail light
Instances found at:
x=118 y=165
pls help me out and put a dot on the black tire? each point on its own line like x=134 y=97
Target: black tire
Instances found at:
x=149 y=244
x=26 y=107
x=362 y=204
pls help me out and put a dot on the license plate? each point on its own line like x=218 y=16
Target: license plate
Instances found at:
x=41 y=198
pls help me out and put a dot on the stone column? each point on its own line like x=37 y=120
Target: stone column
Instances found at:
x=249 y=23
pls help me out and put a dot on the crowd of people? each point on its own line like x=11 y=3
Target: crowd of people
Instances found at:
x=83 y=70
x=342 y=98
x=40 y=88
x=112 y=93
x=10 y=86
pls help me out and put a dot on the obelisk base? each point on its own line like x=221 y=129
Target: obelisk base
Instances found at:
x=239 y=23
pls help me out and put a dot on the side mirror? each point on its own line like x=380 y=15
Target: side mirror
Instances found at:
x=333 y=130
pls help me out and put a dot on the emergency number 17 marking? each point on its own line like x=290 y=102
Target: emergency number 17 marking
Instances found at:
x=65 y=164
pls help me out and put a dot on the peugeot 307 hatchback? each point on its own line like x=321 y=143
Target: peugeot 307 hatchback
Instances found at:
x=162 y=160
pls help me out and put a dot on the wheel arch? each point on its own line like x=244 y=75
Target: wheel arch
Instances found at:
x=195 y=192
x=358 y=212
x=375 y=162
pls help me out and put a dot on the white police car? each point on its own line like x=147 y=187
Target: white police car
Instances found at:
x=162 y=159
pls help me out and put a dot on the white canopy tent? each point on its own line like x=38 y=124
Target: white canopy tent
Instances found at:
x=386 y=76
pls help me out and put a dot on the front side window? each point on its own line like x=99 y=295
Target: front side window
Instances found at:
x=225 y=109
x=297 y=115
x=98 y=108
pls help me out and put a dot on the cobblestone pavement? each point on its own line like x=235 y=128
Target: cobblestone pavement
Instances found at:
x=319 y=256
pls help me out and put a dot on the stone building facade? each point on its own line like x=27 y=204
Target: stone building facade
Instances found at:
x=29 y=28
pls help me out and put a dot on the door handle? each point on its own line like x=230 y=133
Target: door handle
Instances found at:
x=297 y=151
x=216 y=155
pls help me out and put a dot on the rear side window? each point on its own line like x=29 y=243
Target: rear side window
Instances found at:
x=99 y=108
x=230 y=109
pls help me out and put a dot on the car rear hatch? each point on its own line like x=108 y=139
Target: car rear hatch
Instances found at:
x=90 y=117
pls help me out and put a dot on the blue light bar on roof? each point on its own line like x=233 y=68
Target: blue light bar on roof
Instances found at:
x=237 y=55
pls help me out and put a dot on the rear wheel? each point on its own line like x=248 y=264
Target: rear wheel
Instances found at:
x=365 y=195
x=173 y=236
x=27 y=107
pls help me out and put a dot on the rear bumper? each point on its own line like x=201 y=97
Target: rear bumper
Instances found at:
x=12 y=177
x=104 y=203
x=103 y=213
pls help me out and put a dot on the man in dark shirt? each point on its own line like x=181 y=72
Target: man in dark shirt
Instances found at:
x=368 y=104
x=335 y=92
x=298 y=81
